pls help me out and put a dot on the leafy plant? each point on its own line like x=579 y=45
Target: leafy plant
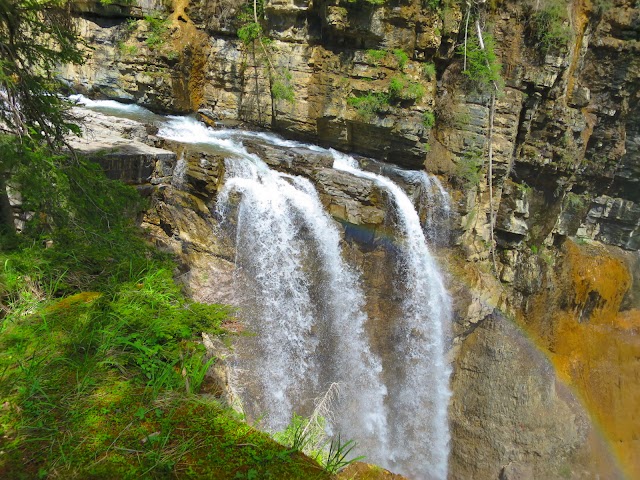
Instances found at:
x=36 y=37
x=370 y=2
x=337 y=458
x=249 y=32
x=369 y=104
x=483 y=67
x=468 y=168
x=428 y=119
x=401 y=88
x=429 y=70
x=401 y=57
x=549 y=26
x=127 y=49
x=158 y=30
x=281 y=86
x=376 y=56
x=433 y=5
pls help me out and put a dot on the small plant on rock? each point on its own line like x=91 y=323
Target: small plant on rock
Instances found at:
x=370 y=104
x=402 y=57
x=158 y=30
x=428 y=120
x=549 y=26
x=429 y=70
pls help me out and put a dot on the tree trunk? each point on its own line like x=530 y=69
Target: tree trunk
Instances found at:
x=7 y=224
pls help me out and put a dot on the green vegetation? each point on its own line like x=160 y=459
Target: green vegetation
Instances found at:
x=369 y=2
x=281 y=86
x=468 y=168
x=433 y=5
x=549 y=26
x=252 y=35
x=100 y=357
x=120 y=2
x=29 y=102
x=575 y=201
x=128 y=50
x=249 y=33
x=158 y=30
x=428 y=119
x=376 y=56
x=401 y=88
x=401 y=57
x=429 y=70
x=483 y=67
x=369 y=104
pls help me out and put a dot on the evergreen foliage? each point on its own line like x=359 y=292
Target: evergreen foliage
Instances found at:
x=36 y=36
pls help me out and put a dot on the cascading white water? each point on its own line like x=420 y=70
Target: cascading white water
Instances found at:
x=303 y=301
x=418 y=393
x=434 y=205
x=306 y=307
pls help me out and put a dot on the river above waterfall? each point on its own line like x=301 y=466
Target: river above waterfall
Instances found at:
x=308 y=311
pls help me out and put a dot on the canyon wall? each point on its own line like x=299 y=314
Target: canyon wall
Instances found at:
x=544 y=352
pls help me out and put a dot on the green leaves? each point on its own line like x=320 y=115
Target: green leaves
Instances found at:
x=549 y=26
x=158 y=30
x=482 y=65
x=249 y=32
x=36 y=36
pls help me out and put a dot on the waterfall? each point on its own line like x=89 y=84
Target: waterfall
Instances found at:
x=301 y=300
x=418 y=392
x=304 y=307
x=434 y=205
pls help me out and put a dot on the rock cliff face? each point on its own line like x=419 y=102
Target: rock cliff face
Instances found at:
x=544 y=355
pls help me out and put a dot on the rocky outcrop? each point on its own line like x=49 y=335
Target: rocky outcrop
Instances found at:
x=122 y=147
x=565 y=129
x=536 y=422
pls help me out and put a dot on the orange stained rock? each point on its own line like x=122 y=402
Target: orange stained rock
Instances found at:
x=594 y=347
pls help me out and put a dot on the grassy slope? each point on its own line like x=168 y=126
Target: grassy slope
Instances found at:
x=100 y=363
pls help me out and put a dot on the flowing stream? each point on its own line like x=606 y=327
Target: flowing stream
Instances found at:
x=307 y=309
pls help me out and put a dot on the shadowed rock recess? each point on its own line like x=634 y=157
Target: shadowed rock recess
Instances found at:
x=543 y=350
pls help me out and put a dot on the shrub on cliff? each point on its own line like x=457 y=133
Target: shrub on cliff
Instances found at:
x=483 y=67
x=548 y=26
